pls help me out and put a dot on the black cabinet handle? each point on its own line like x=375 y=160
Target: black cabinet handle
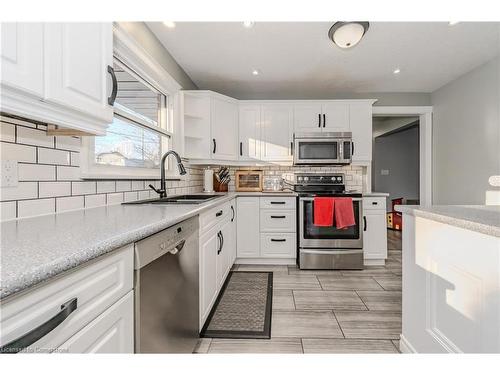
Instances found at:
x=278 y=217
x=218 y=213
x=221 y=242
x=324 y=120
x=375 y=203
x=352 y=148
x=278 y=239
x=241 y=148
x=319 y=120
x=291 y=148
x=278 y=202
x=215 y=146
x=219 y=249
x=364 y=223
x=114 y=91
x=234 y=213
x=37 y=333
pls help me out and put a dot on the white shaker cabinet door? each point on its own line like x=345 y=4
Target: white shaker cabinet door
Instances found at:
x=224 y=252
x=249 y=132
x=361 y=127
x=335 y=117
x=307 y=117
x=209 y=243
x=22 y=57
x=248 y=227
x=77 y=56
x=375 y=235
x=276 y=132
x=224 y=128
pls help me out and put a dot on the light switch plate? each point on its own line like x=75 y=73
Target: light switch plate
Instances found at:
x=384 y=172
x=9 y=173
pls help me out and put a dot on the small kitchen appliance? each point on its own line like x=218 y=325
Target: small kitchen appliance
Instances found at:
x=248 y=180
x=329 y=148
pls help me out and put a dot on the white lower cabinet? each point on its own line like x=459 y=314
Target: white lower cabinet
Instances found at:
x=248 y=232
x=266 y=228
x=82 y=297
x=110 y=332
x=217 y=253
x=374 y=231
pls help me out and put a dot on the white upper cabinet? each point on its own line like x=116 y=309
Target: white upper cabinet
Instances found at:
x=307 y=117
x=321 y=116
x=335 y=116
x=276 y=131
x=58 y=73
x=77 y=57
x=360 y=118
x=224 y=128
x=22 y=57
x=249 y=132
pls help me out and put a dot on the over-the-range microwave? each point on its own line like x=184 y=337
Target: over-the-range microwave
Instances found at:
x=322 y=148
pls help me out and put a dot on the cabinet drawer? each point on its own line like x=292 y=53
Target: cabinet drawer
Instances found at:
x=275 y=203
x=277 y=220
x=374 y=203
x=95 y=287
x=110 y=332
x=277 y=245
x=215 y=215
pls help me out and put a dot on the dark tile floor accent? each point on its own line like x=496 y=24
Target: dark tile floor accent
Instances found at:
x=329 y=311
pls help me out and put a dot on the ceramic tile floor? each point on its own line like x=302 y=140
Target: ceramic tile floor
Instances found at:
x=328 y=311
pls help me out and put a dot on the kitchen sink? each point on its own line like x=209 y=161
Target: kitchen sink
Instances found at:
x=178 y=199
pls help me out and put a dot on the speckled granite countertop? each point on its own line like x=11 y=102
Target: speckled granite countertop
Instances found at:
x=35 y=249
x=482 y=219
x=375 y=194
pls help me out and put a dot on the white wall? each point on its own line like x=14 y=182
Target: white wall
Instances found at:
x=399 y=154
x=466 y=136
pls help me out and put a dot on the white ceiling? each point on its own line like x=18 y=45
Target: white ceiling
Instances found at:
x=296 y=59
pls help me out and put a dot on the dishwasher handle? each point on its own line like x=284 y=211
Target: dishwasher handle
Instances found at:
x=177 y=248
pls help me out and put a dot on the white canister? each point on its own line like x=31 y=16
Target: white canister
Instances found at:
x=208 y=180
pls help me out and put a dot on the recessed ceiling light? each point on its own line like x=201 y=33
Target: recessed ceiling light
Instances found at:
x=348 y=34
x=169 y=24
x=248 y=24
x=255 y=72
x=452 y=23
x=397 y=71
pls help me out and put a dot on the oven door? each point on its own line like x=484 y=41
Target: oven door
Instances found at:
x=314 y=237
x=308 y=151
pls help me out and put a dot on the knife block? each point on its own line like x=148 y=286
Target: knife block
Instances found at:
x=218 y=187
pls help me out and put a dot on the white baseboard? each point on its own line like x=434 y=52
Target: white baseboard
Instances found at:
x=405 y=346
x=374 y=262
x=267 y=261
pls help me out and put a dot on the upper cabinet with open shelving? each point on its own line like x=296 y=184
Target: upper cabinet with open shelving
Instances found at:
x=59 y=73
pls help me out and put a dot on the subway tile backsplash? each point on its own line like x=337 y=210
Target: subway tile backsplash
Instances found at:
x=49 y=175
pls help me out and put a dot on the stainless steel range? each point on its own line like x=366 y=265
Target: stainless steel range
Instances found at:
x=327 y=247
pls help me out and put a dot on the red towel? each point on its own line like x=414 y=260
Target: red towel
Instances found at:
x=344 y=213
x=323 y=211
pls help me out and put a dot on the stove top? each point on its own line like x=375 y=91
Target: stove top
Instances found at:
x=331 y=184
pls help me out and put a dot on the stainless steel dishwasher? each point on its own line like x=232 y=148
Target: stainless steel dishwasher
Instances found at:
x=166 y=290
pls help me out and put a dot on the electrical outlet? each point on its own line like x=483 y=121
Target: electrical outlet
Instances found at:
x=9 y=173
x=384 y=172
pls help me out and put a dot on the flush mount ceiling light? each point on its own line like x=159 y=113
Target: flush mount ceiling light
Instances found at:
x=248 y=24
x=169 y=24
x=347 y=34
x=255 y=72
x=453 y=23
x=397 y=71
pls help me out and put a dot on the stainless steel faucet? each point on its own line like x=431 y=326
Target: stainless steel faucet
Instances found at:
x=163 y=185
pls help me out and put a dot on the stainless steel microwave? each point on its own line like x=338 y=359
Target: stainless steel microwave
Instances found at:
x=322 y=148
